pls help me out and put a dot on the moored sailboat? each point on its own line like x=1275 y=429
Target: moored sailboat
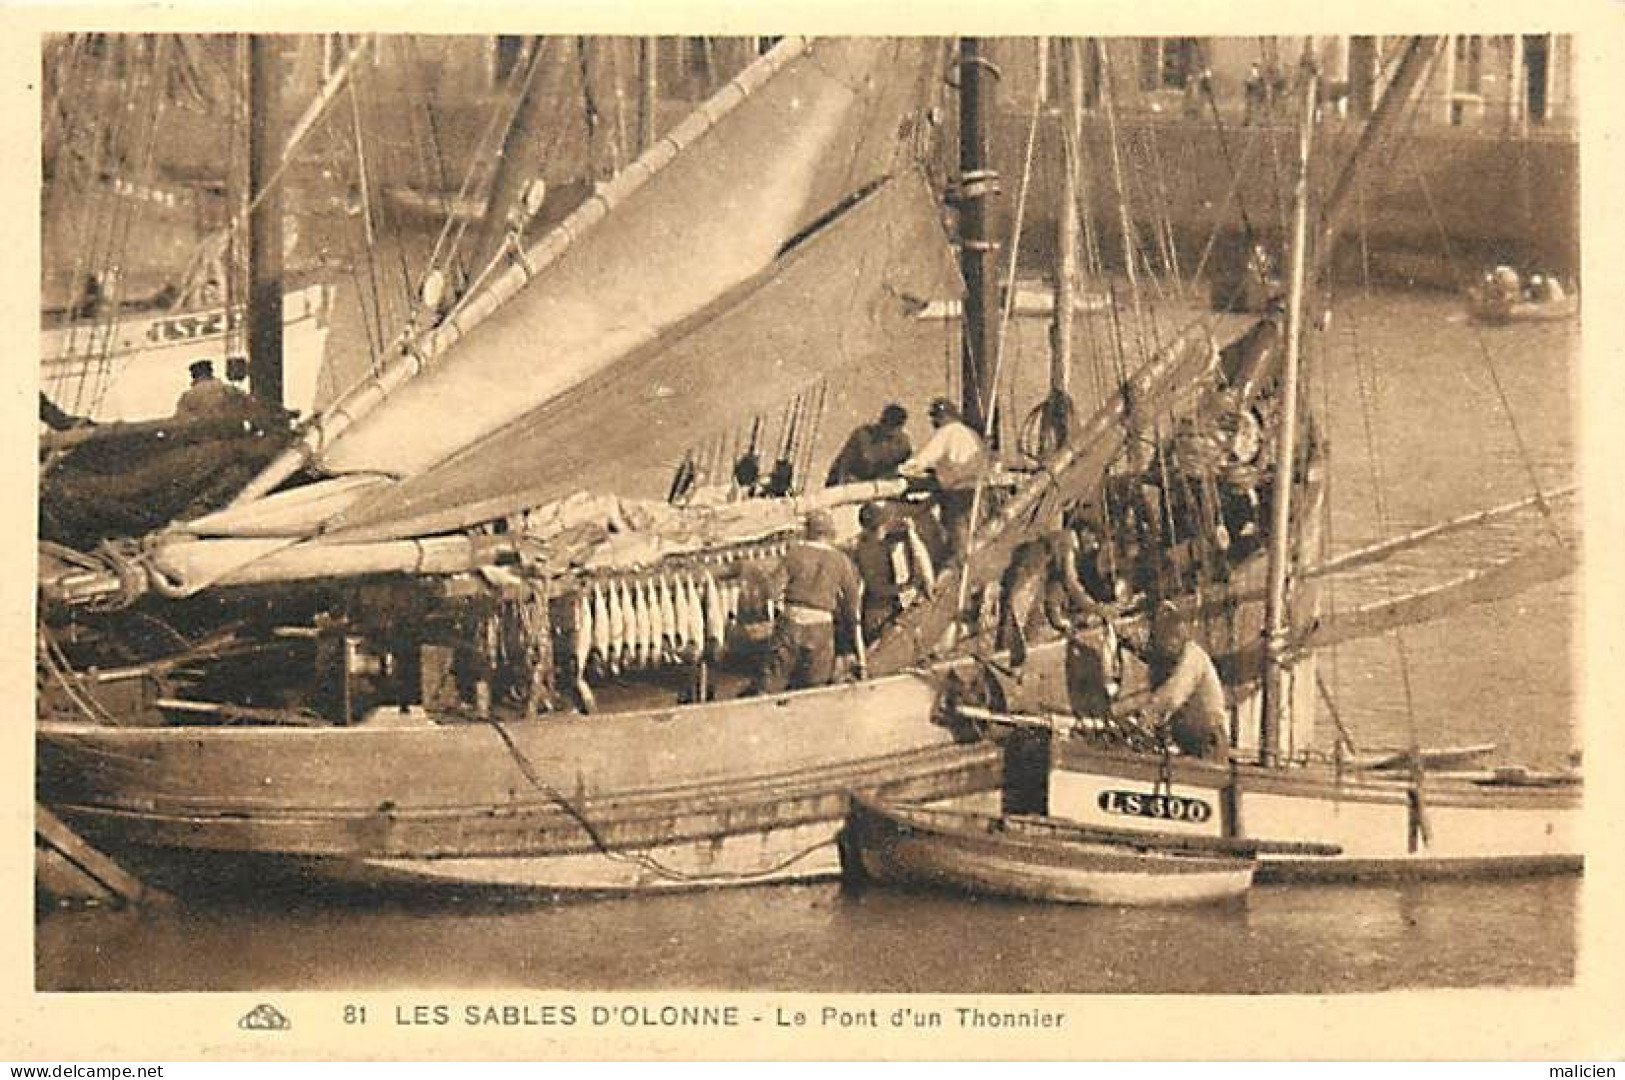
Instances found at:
x=1410 y=814
x=415 y=729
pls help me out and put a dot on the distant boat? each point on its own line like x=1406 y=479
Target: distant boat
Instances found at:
x=1486 y=304
x=1032 y=859
x=133 y=366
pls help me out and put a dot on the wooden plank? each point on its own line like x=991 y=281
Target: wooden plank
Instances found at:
x=101 y=873
x=1166 y=841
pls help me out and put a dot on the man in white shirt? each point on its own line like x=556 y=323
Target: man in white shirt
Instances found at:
x=955 y=458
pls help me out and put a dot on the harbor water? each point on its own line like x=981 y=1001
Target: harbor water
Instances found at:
x=1432 y=390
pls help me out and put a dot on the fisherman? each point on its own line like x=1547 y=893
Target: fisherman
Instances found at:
x=1254 y=93
x=210 y=399
x=893 y=562
x=821 y=589
x=1046 y=569
x=873 y=451
x=882 y=596
x=1506 y=284
x=1186 y=698
x=952 y=461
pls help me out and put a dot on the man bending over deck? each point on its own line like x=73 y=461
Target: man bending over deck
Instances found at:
x=1186 y=698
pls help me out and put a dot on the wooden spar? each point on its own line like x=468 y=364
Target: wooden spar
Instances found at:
x=452 y=554
x=977 y=182
x=1385 y=549
x=324 y=98
x=1277 y=617
x=1066 y=240
x=516 y=160
x=265 y=377
x=649 y=92
x=1418 y=53
x=1381 y=550
x=1475 y=587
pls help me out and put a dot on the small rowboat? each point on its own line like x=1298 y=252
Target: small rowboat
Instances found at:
x=1031 y=859
x=1495 y=310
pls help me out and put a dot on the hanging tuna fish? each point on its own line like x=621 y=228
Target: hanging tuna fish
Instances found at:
x=582 y=644
x=668 y=620
x=715 y=625
x=651 y=622
x=640 y=625
x=693 y=620
x=617 y=626
x=600 y=626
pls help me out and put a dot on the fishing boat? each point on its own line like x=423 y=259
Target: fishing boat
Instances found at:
x=1032 y=859
x=137 y=286
x=131 y=367
x=1412 y=814
x=478 y=667
x=594 y=743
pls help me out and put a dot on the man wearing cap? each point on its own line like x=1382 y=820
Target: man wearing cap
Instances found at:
x=821 y=588
x=954 y=459
x=873 y=451
x=208 y=398
x=1186 y=698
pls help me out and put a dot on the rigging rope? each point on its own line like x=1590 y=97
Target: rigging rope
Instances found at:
x=1130 y=243
x=1365 y=382
x=1524 y=457
x=641 y=859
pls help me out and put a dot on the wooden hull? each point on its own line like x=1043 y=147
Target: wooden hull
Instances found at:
x=731 y=792
x=146 y=359
x=1455 y=826
x=984 y=854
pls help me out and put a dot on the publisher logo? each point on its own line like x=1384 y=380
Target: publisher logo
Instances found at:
x=264 y=1018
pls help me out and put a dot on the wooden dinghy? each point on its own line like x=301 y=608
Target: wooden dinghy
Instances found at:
x=1495 y=311
x=1432 y=758
x=1031 y=859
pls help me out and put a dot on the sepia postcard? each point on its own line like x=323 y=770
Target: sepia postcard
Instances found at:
x=568 y=532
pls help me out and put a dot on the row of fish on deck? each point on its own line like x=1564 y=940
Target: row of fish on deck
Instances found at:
x=643 y=622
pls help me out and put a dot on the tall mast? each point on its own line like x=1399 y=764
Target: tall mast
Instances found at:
x=1277 y=616
x=977 y=181
x=1307 y=265
x=264 y=222
x=648 y=92
x=1066 y=235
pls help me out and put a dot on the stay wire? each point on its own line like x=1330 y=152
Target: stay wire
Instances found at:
x=1525 y=458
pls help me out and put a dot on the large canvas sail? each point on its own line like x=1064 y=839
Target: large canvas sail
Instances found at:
x=839 y=305
x=712 y=210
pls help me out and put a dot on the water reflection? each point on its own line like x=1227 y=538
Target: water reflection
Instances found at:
x=824 y=937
